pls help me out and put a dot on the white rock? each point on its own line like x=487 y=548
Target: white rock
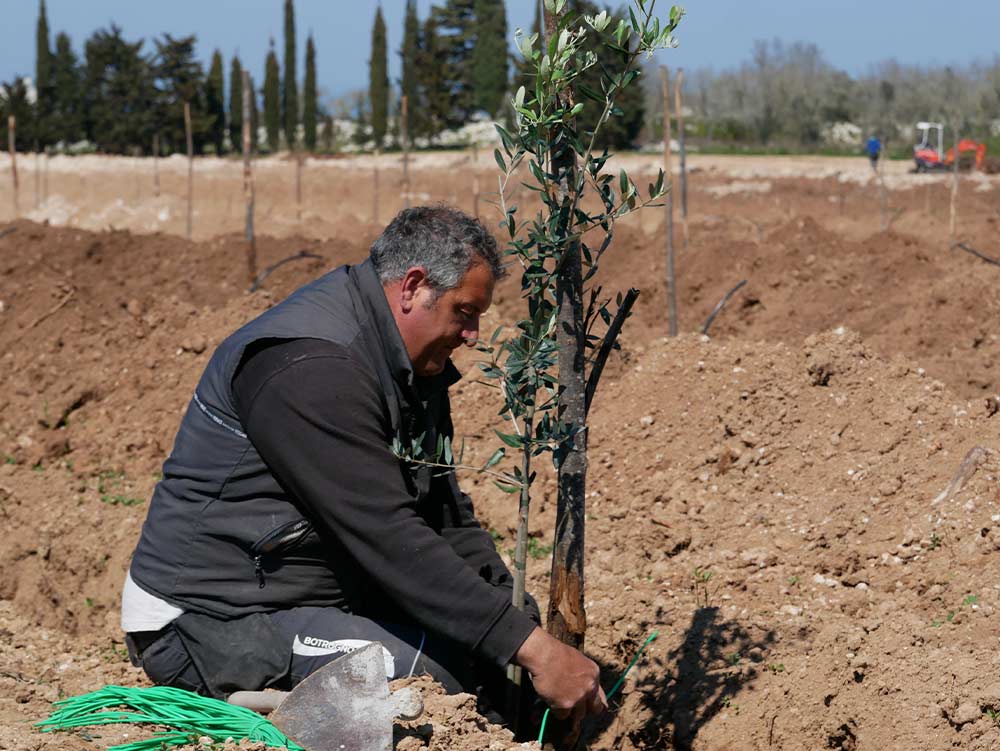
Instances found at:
x=825 y=581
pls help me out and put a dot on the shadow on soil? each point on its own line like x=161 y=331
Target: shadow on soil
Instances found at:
x=689 y=685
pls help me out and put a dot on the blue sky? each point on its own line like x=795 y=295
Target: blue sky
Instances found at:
x=853 y=34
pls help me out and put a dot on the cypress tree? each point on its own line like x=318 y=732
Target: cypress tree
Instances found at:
x=410 y=57
x=289 y=91
x=435 y=100
x=489 y=56
x=236 y=104
x=272 y=104
x=309 y=96
x=43 y=79
x=67 y=93
x=180 y=79
x=378 y=80
x=215 y=99
x=455 y=42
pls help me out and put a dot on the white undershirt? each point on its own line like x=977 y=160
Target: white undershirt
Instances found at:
x=142 y=611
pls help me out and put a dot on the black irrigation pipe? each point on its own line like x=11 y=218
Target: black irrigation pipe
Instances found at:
x=8 y=231
x=302 y=254
x=614 y=329
x=720 y=305
x=976 y=253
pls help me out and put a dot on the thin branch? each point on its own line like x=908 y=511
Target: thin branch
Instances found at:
x=607 y=345
x=720 y=305
x=976 y=253
x=509 y=479
x=52 y=311
x=302 y=254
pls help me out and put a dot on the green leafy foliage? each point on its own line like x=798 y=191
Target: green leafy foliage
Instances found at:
x=556 y=157
x=120 y=96
x=179 y=79
x=546 y=123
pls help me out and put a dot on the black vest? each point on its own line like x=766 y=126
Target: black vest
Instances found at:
x=217 y=498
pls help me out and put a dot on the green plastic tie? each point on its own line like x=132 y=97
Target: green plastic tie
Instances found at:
x=614 y=689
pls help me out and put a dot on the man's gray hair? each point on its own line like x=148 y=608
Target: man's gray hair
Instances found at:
x=445 y=242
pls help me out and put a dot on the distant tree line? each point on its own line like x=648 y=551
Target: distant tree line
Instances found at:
x=119 y=96
x=788 y=95
x=456 y=66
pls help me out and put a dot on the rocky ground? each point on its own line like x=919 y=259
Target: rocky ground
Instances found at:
x=804 y=503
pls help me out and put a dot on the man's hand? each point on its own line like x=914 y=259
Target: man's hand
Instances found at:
x=564 y=677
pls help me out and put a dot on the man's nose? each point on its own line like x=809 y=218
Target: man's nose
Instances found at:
x=471 y=332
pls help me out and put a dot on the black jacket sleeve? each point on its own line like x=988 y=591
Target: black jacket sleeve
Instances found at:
x=315 y=415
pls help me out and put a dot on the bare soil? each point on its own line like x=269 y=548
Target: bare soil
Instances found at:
x=781 y=499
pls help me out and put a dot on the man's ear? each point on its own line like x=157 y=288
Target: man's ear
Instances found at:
x=413 y=280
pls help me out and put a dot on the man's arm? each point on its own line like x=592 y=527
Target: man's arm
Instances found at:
x=315 y=415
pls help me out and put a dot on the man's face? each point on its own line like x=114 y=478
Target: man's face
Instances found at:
x=433 y=328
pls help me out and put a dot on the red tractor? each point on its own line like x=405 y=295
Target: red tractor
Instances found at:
x=929 y=158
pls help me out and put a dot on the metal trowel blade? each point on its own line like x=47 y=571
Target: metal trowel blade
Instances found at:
x=344 y=706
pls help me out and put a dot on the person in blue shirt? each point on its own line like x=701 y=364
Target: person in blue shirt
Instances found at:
x=874 y=149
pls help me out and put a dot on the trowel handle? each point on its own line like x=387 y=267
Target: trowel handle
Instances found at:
x=264 y=702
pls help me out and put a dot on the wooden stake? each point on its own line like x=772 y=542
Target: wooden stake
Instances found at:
x=954 y=192
x=375 y=188
x=475 y=181
x=45 y=179
x=38 y=182
x=671 y=276
x=248 y=192
x=883 y=197
x=156 y=165
x=404 y=134
x=298 y=185
x=12 y=149
x=682 y=152
x=190 y=150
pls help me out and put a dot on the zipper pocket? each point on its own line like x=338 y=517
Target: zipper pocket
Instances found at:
x=276 y=542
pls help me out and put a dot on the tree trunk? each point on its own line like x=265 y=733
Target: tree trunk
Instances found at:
x=567 y=617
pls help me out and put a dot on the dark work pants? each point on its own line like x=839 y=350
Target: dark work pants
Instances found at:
x=314 y=636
